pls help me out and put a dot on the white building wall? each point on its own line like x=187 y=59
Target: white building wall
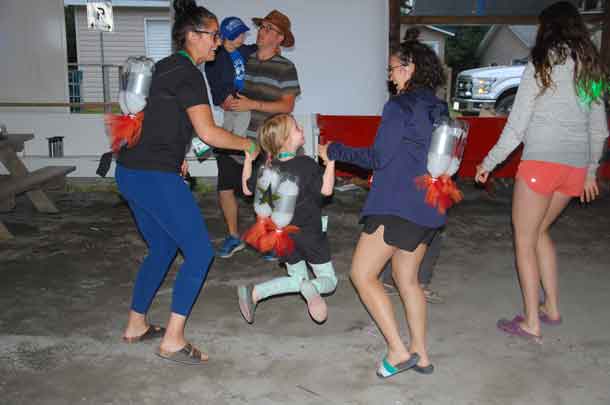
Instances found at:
x=33 y=51
x=340 y=52
x=85 y=140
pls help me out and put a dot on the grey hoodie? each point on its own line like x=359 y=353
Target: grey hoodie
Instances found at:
x=554 y=126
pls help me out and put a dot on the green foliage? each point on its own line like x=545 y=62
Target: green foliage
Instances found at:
x=97 y=185
x=203 y=187
x=462 y=48
x=460 y=53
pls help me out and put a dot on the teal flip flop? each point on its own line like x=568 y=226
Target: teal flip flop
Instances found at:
x=387 y=370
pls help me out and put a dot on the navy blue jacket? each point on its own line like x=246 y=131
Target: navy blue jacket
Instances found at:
x=398 y=156
x=221 y=74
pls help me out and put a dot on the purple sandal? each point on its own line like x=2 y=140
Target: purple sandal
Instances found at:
x=544 y=318
x=514 y=328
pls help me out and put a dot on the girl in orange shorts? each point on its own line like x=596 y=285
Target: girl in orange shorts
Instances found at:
x=559 y=116
x=547 y=178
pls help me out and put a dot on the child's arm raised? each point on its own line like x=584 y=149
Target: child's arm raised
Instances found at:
x=328 y=178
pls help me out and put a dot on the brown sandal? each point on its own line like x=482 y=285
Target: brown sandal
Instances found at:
x=187 y=355
x=153 y=332
x=432 y=297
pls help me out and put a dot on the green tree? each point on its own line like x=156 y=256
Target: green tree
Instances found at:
x=461 y=49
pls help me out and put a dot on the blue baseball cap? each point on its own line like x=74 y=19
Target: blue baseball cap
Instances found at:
x=232 y=27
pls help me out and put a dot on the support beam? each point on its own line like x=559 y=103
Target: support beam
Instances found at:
x=394 y=38
x=483 y=20
x=605 y=49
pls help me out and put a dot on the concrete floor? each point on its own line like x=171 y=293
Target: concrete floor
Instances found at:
x=67 y=279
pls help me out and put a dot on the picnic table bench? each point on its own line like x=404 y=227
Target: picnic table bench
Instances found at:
x=21 y=180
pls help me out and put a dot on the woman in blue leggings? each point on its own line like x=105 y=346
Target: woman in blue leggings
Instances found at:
x=149 y=177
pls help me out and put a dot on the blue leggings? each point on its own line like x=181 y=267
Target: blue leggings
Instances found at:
x=169 y=219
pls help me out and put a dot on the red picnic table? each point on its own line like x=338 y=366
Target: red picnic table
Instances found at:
x=360 y=131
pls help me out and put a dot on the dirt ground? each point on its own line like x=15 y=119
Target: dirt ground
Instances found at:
x=67 y=280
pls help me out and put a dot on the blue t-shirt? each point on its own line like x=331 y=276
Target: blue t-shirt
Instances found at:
x=239 y=66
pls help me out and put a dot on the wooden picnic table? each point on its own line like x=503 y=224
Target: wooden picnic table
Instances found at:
x=21 y=180
x=16 y=141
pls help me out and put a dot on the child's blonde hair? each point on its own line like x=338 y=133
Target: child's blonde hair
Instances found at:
x=274 y=132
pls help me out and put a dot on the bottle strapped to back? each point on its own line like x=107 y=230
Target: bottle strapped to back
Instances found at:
x=136 y=77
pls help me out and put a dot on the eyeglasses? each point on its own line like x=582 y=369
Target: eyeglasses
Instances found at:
x=269 y=27
x=215 y=34
x=391 y=68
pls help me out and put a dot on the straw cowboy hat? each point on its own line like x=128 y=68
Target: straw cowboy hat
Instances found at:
x=282 y=22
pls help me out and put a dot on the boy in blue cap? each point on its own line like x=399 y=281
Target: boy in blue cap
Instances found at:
x=226 y=75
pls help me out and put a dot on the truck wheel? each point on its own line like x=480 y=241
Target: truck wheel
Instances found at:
x=505 y=105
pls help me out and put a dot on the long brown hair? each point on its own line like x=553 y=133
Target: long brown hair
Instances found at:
x=562 y=33
x=428 y=68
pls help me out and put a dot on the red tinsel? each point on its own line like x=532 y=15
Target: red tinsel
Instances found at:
x=265 y=236
x=256 y=231
x=278 y=240
x=441 y=193
x=125 y=130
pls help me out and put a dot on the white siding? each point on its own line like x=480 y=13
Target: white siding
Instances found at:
x=128 y=39
x=158 y=39
x=503 y=47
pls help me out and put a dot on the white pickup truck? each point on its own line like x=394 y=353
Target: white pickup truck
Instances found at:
x=489 y=87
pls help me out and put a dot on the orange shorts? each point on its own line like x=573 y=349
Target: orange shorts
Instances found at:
x=547 y=177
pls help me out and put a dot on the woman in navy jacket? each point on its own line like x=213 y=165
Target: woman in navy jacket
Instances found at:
x=398 y=224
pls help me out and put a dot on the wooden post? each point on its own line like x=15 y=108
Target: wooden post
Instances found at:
x=394 y=38
x=605 y=49
x=16 y=168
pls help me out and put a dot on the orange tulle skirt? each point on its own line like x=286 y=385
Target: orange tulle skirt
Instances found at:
x=256 y=231
x=125 y=130
x=265 y=236
x=441 y=193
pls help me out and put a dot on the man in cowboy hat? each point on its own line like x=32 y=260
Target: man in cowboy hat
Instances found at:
x=270 y=87
x=271 y=84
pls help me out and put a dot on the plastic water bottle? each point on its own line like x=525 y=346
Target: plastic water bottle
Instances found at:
x=199 y=147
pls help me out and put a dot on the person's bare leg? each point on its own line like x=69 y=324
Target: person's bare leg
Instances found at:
x=405 y=267
x=370 y=257
x=547 y=258
x=136 y=325
x=174 y=340
x=529 y=210
x=230 y=210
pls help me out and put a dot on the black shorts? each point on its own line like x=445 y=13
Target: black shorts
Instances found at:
x=229 y=173
x=399 y=232
x=309 y=246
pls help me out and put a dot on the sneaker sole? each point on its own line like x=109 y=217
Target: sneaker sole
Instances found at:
x=235 y=250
